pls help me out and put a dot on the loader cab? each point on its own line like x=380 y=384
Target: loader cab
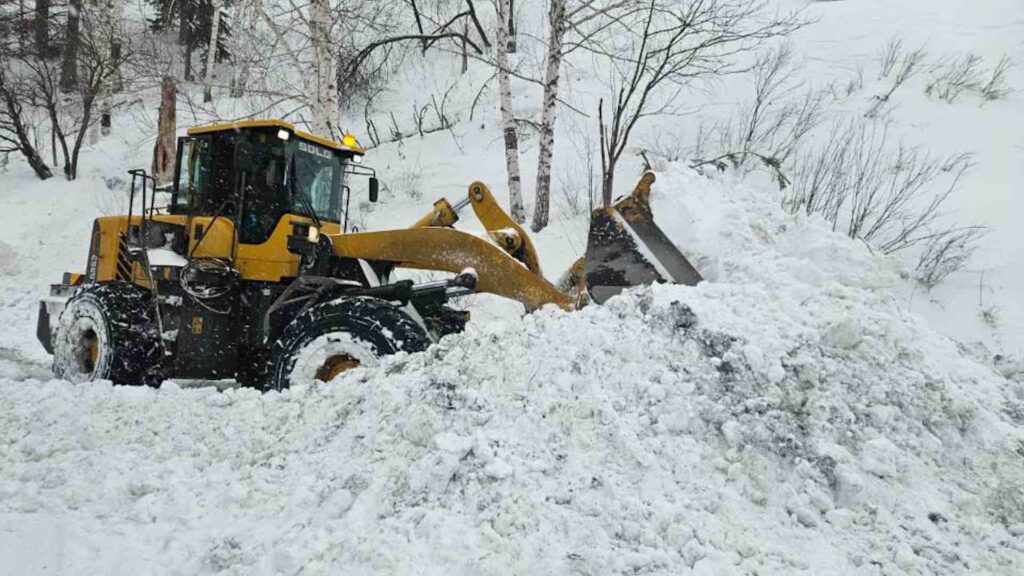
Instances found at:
x=253 y=174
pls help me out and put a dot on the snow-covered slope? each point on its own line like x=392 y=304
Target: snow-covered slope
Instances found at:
x=792 y=415
x=783 y=418
x=844 y=45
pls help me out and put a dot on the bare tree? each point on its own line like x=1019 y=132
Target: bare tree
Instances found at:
x=671 y=45
x=14 y=131
x=508 y=122
x=584 y=20
x=556 y=33
x=72 y=115
x=211 y=52
x=325 y=99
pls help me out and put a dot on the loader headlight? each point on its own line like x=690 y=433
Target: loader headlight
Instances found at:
x=283 y=135
x=314 y=233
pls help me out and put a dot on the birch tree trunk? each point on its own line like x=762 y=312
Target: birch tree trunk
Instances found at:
x=114 y=21
x=164 y=152
x=109 y=60
x=508 y=122
x=211 y=52
x=325 y=98
x=542 y=207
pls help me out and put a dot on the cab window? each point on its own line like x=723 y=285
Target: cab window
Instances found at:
x=193 y=173
x=263 y=176
x=318 y=176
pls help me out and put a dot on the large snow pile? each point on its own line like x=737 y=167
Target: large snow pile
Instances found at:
x=782 y=418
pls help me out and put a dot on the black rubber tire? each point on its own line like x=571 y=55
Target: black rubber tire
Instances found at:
x=445 y=320
x=379 y=325
x=120 y=316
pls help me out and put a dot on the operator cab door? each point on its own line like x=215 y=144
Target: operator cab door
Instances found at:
x=204 y=190
x=207 y=318
x=262 y=183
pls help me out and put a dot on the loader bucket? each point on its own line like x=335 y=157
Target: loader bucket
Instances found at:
x=626 y=248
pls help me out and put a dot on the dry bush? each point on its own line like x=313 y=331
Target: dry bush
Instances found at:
x=954 y=75
x=947 y=251
x=404 y=183
x=996 y=87
x=889 y=195
x=577 y=186
x=767 y=131
x=902 y=66
x=840 y=90
x=889 y=56
x=667 y=146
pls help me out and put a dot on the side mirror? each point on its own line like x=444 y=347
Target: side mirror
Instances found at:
x=374 y=188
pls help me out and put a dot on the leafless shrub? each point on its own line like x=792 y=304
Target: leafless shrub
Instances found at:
x=666 y=146
x=840 y=90
x=905 y=65
x=777 y=119
x=577 y=185
x=953 y=75
x=889 y=56
x=889 y=195
x=990 y=315
x=768 y=130
x=406 y=182
x=432 y=116
x=945 y=252
x=670 y=46
x=996 y=88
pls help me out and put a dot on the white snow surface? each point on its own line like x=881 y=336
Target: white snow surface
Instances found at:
x=784 y=417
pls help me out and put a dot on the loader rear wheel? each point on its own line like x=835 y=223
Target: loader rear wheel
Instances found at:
x=336 y=336
x=107 y=332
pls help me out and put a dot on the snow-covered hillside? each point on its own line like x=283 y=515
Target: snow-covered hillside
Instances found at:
x=782 y=418
x=806 y=410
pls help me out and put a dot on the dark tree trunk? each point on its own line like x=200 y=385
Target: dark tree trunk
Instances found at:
x=183 y=30
x=188 y=64
x=36 y=162
x=69 y=63
x=25 y=146
x=42 y=28
x=186 y=41
x=115 y=79
x=87 y=104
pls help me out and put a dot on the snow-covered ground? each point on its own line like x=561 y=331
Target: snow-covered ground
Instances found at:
x=846 y=41
x=804 y=411
x=782 y=418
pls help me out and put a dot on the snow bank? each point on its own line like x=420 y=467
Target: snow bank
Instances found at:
x=782 y=418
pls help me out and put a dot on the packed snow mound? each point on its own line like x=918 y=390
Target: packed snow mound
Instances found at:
x=782 y=418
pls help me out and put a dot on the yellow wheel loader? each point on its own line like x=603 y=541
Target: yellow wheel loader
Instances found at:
x=251 y=271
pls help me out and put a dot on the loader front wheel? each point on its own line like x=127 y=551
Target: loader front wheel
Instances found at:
x=336 y=336
x=107 y=331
